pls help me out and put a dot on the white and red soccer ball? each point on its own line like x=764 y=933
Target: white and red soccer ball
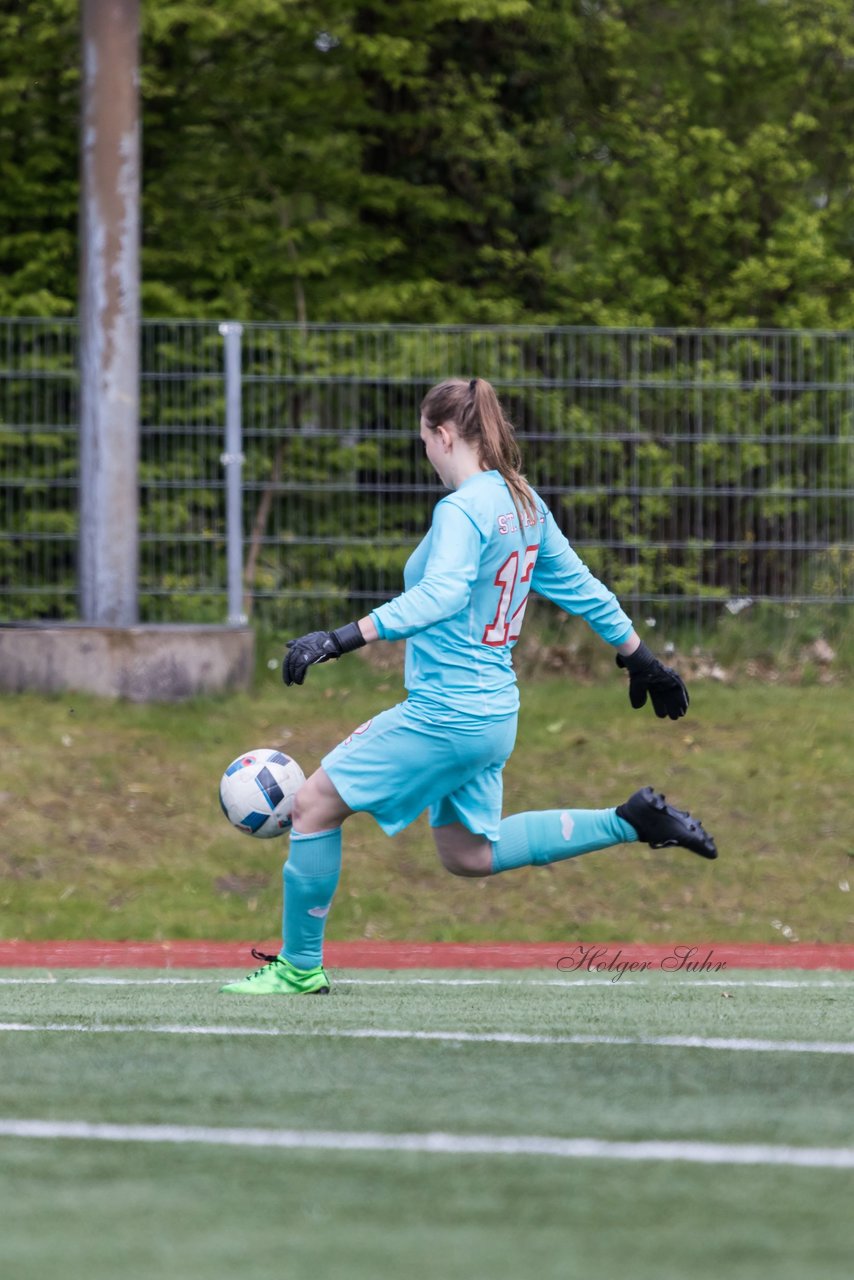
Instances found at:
x=257 y=792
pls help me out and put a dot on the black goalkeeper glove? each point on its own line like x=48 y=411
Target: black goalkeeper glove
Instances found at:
x=319 y=646
x=647 y=675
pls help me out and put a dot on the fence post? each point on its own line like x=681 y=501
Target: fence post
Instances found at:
x=232 y=459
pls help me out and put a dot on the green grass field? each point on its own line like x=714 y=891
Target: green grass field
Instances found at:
x=110 y=825
x=537 y=1057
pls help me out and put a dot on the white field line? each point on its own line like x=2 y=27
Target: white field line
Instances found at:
x=437 y=1143
x=793 y=984
x=732 y=1045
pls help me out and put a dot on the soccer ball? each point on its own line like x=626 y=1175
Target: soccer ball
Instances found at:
x=257 y=792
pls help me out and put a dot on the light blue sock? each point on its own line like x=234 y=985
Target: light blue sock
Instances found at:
x=535 y=839
x=310 y=879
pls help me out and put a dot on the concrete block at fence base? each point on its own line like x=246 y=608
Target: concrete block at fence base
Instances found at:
x=157 y=663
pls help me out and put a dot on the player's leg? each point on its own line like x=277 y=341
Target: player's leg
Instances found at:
x=530 y=839
x=552 y=835
x=383 y=768
x=470 y=840
x=318 y=806
x=311 y=873
x=473 y=840
x=545 y=836
x=310 y=878
x=461 y=851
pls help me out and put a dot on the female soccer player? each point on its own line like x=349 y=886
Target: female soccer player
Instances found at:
x=492 y=541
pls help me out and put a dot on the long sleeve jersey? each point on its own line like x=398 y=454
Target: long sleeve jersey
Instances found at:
x=466 y=589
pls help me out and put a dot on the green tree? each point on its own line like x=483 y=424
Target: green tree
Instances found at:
x=706 y=177
x=347 y=161
x=570 y=161
x=38 y=157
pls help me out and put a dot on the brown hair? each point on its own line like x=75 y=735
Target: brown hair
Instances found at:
x=476 y=412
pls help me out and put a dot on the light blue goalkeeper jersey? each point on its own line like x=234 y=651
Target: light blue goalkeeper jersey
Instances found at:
x=466 y=588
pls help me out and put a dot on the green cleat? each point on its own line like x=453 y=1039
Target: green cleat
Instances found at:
x=278 y=977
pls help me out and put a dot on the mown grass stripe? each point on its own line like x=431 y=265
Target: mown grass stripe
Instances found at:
x=437 y=1143
x=793 y=984
x=733 y=1045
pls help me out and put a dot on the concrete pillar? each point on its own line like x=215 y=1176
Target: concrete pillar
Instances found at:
x=109 y=312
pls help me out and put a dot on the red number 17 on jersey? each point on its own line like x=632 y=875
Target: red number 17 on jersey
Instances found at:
x=502 y=629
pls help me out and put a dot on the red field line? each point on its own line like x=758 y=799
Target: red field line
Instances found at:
x=566 y=957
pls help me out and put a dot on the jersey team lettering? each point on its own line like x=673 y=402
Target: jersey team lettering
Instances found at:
x=509 y=522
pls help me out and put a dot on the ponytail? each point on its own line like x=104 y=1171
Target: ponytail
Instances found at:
x=476 y=411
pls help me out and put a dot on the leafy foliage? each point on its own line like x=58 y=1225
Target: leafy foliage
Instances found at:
x=565 y=161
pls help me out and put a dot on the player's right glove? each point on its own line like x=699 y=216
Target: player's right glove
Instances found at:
x=665 y=687
x=319 y=646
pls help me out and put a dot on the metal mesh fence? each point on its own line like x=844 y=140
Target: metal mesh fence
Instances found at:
x=181 y=501
x=38 y=468
x=693 y=470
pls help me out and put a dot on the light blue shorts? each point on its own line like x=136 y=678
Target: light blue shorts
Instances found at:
x=401 y=763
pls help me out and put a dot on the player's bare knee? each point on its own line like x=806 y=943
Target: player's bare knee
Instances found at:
x=459 y=867
x=309 y=807
x=473 y=861
x=318 y=806
x=301 y=808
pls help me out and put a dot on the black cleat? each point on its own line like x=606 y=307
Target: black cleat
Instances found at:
x=659 y=825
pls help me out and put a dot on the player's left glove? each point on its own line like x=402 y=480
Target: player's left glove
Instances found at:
x=647 y=675
x=319 y=646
